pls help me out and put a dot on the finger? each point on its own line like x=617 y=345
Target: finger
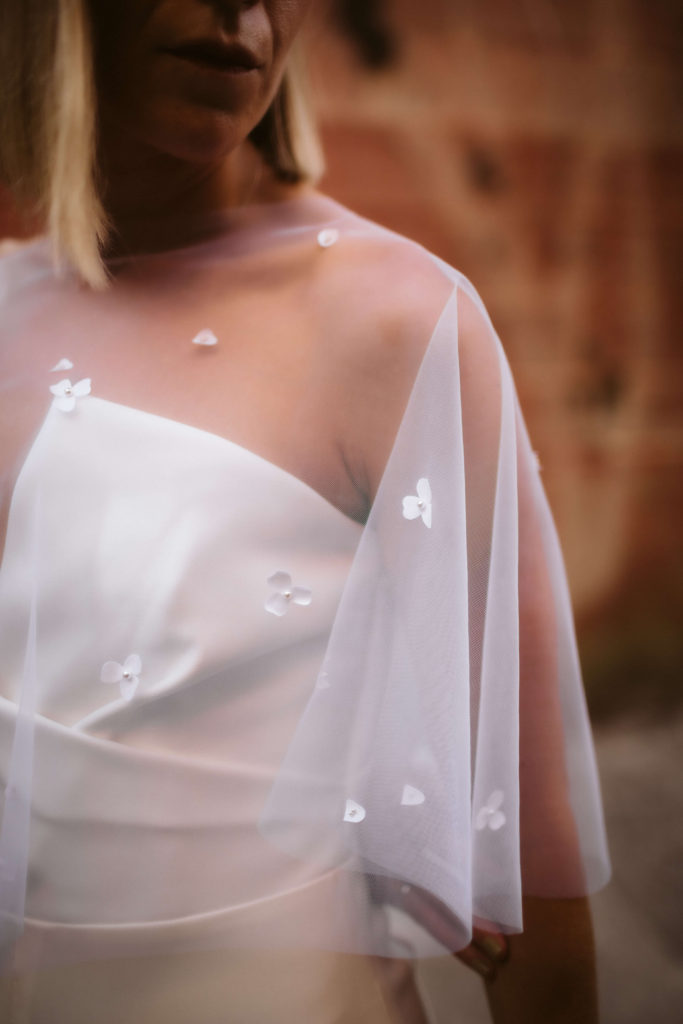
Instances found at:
x=487 y=947
x=474 y=959
x=429 y=912
x=493 y=944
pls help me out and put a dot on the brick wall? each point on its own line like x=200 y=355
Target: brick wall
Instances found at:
x=537 y=147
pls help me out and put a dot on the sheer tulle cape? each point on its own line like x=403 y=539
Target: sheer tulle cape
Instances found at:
x=436 y=763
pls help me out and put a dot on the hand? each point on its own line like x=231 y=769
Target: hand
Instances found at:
x=485 y=953
x=488 y=948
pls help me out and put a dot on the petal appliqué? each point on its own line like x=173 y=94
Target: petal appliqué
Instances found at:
x=412 y=796
x=60 y=387
x=111 y=672
x=420 y=504
x=495 y=800
x=354 y=811
x=411 y=509
x=286 y=594
x=277 y=604
x=424 y=490
x=280 y=580
x=327 y=237
x=66 y=393
x=205 y=337
x=490 y=815
x=133 y=664
x=128 y=687
x=481 y=820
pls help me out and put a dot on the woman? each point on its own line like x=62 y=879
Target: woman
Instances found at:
x=289 y=690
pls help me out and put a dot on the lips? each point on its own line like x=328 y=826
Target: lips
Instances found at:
x=217 y=55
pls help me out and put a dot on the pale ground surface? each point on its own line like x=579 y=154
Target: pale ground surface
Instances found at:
x=638 y=926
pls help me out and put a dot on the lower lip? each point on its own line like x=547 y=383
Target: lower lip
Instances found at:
x=222 y=71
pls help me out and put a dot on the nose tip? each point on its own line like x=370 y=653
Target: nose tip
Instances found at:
x=229 y=11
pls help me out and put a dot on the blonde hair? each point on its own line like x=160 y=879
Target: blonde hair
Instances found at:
x=48 y=127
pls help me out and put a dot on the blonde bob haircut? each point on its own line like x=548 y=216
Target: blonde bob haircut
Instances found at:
x=48 y=128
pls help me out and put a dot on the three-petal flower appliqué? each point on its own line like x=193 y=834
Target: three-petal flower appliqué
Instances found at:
x=285 y=594
x=126 y=675
x=490 y=815
x=420 y=504
x=66 y=393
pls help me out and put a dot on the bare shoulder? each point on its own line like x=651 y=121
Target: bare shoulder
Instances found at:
x=385 y=295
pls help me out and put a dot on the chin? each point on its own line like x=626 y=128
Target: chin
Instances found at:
x=203 y=137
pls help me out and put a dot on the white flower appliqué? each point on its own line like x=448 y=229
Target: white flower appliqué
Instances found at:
x=323 y=681
x=205 y=337
x=126 y=675
x=327 y=237
x=420 y=504
x=412 y=796
x=66 y=393
x=490 y=815
x=63 y=364
x=285 y=594
x=353 y=811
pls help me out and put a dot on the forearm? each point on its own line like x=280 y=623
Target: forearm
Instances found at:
x=549 y=976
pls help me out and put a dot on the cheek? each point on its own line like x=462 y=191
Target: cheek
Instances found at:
x=286 y=18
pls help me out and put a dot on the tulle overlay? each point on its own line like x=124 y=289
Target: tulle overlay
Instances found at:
x=288 y=658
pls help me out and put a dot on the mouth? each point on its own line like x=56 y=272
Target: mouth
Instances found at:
x=214 y=55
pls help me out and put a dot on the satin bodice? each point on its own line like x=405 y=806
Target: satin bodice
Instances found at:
x=218 y=573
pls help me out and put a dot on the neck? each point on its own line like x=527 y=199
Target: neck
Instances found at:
x=155 y=202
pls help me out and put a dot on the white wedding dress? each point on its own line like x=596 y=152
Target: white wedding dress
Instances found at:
x=211 y=682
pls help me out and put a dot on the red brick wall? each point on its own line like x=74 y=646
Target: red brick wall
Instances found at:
x=537 y=146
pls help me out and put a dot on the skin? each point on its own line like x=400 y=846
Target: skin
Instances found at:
x=550 y=972
x=544 y=975
x=171 y=147
x=169 y=141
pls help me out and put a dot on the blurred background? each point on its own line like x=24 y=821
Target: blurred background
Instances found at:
x=538 y=147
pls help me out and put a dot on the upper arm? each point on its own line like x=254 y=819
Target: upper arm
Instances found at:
x=387 y=331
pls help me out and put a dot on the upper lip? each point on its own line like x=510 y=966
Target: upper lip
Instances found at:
x=217 y=52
